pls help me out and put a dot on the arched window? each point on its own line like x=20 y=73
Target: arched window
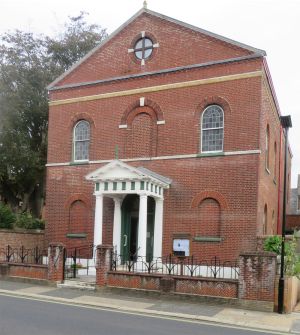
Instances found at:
x=81 y=141
x=265 y=220
x=212 y=129
x=268 y=148
x=210 y=217
x=78 y=217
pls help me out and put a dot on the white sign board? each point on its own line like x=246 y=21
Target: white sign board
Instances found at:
x=181 y=246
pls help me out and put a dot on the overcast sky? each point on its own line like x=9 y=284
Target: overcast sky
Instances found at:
x=272 y=25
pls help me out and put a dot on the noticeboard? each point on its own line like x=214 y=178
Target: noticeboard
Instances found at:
x=181 y=247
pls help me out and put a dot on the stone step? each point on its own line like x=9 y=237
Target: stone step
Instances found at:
x=77 y=284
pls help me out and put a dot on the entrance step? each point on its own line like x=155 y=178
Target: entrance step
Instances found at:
x=79 y=285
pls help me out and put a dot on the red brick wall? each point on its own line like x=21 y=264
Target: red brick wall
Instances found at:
x=127 y=280
x=210 y=287
x=239 y=179
x=175 y=48
x=28 y=271
x=257 y=276
x=292 y=222
x=16 y=239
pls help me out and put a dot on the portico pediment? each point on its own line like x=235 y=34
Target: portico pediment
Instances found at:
x=118 y=177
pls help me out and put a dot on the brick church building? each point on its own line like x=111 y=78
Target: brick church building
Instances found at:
x=165 y=138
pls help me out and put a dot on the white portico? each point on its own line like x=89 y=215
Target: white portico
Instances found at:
x=138 y=207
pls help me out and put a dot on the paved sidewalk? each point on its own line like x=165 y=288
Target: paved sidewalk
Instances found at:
x=163 y=306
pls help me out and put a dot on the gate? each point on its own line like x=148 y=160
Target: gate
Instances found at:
x=79 y=262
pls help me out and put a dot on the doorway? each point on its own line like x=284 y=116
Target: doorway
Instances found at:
x=129 y=228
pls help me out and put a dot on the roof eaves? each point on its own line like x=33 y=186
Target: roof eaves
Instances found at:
x=153 y=73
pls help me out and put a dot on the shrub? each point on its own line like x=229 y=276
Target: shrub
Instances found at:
x=26 y=221
x=7 y=217
x=291 y=259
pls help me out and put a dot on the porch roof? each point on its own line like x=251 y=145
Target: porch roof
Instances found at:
x=118 y=177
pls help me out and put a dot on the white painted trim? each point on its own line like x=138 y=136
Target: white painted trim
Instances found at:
x=143 y=33
x=245 y=152
x=117 y=225
x=228 y=153
x=201 y=125
x=142 y=102
x=98 y=225
x=143 y=62
x=161 y=122
x=123 y=126
x=57 y=164
x=130 y=50
x=142 y=228
x=156 y=45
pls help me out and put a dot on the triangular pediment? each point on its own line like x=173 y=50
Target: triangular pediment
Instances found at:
x=115 y=170
x=206 y=47
x=118 y=170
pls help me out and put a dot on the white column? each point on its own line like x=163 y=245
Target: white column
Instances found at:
x=158 y=228
x=142 y=230
x=117 y=226
x=98 y=220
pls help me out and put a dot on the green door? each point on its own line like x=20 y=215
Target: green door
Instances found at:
x=150 y=229
x=129 y=227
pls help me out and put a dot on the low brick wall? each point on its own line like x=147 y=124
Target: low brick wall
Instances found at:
x=225 y=288
x=133 y=280
x=22 y=237
x=292 y=222
x=32 y=271
x=257 y=276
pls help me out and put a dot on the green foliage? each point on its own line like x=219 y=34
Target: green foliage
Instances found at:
x=273 y=244
x=7 y=217
x=28 y=63
x=291 y=259
x=26 y=221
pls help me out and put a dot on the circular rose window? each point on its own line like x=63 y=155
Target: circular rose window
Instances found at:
x=143 y=48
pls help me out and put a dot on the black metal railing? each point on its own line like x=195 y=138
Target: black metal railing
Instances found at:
x=23 y=255
x=176 y=266
x=79 y=260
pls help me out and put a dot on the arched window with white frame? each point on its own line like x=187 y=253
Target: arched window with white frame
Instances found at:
x=212 y=129
x=81 y=141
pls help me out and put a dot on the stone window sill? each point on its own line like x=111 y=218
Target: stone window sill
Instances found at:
x=77 y=235
x=207 y=239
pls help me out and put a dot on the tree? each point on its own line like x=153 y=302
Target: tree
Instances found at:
x=28 y=63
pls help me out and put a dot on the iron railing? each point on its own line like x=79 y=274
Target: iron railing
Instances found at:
x=79 y=261
x=176 y=266
x=24 y=255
